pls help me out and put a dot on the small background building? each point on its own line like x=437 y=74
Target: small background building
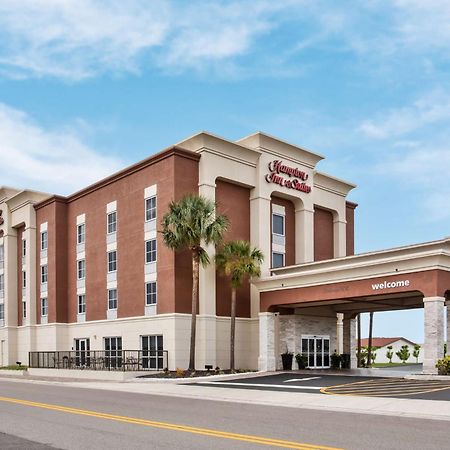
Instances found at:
x=382 y=344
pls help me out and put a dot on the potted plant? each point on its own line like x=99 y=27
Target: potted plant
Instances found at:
x=286 y=359
x=302 y=361
x=335 y=360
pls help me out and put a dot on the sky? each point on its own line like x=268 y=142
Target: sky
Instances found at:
x=88 y=87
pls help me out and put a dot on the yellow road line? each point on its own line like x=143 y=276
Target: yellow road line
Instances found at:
x=170 y=426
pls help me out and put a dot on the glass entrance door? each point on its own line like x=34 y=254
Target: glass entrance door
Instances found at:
x=113 y=352
x=152 y=352
x=317 y=349
x=82 y=356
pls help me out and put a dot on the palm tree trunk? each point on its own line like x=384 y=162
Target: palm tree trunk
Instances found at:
x=233 y=326
x=369 y=350
x=359 y=342
x=195 y=278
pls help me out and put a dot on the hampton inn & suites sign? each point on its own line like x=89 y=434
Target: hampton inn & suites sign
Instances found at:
x=296 y=176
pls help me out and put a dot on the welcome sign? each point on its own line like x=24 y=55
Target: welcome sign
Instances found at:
x=390 y=284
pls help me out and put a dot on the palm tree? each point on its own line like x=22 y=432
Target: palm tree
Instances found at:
x=238 y=260
x=369 y=352
x=191 y=224
x=358 y=351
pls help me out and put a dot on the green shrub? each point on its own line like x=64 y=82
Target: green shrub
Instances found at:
x=403 y=354
x=302 y=360
x=443 y=365
x=335 y=360
x=14 y=367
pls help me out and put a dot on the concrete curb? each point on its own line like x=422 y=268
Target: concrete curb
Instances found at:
x=13 y=373
x=425 y=377
x=95 y=375
x=225 y=376
x=395 y=407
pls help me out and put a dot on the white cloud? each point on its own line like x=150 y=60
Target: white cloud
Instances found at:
x=416 y=151
x=76 y=39
x=424 y=171
x=53 y=161
x=427 y=110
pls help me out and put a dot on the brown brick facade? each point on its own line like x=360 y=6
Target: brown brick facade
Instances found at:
x=233 y=201
x=175 y=173
x=323 y=234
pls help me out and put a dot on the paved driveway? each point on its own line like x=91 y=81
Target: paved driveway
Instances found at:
x=341 y=385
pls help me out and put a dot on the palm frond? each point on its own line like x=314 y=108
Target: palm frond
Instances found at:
x=237 y=260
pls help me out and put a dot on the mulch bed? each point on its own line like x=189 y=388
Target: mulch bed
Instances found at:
x=188 y=374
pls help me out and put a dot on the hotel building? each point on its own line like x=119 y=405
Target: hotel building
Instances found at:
x=91 y=272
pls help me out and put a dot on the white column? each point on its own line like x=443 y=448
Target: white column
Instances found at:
x=206 y=352
x=10 y=271
x=260 y=238
x=11 y=296
x=30 y=263
x=448 y=326
x=267 y=342
x=340 y=333
x=340 y=237
x=304 y=235
x=433 y=332
x=349 y=340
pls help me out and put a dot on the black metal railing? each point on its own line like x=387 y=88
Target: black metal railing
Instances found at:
x=120 y=360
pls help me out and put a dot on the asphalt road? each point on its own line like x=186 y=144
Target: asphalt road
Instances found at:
x=342 y=385
x=72 y=418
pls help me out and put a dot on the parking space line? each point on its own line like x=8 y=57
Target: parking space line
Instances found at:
x=386 y=388
x=301 y=379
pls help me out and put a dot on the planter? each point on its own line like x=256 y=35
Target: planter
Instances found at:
x=286 y=359
x=302 y=361
x=345 y=361
x=336 y=360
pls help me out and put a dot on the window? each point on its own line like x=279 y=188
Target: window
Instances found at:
x=2 y=254
x=278 y=224
x=2 y=283
x=44 y=274
x=150 y=293
x=24 y=279
x=150 y=251
x=24 y=309
x=44 y=307
x=277 y=260
x=81 y=269
x=112 y=222
x=150 y=208
x=24 y=248
x=112 y=261
x=112 y=298
x=44 y=241
x=152 y=352
x=81 y=233
x=2 y=311
x=113 y=352
x=82 y=304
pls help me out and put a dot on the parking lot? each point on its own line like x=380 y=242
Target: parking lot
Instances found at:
x=341 y=385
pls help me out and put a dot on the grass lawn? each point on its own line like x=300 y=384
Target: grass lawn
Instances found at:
x=393 y=364
x=13 y=367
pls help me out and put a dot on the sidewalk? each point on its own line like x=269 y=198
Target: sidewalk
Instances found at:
x=424 y=409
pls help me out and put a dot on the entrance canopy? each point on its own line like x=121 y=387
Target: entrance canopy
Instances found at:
x=416 y=276
x=387 y=280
